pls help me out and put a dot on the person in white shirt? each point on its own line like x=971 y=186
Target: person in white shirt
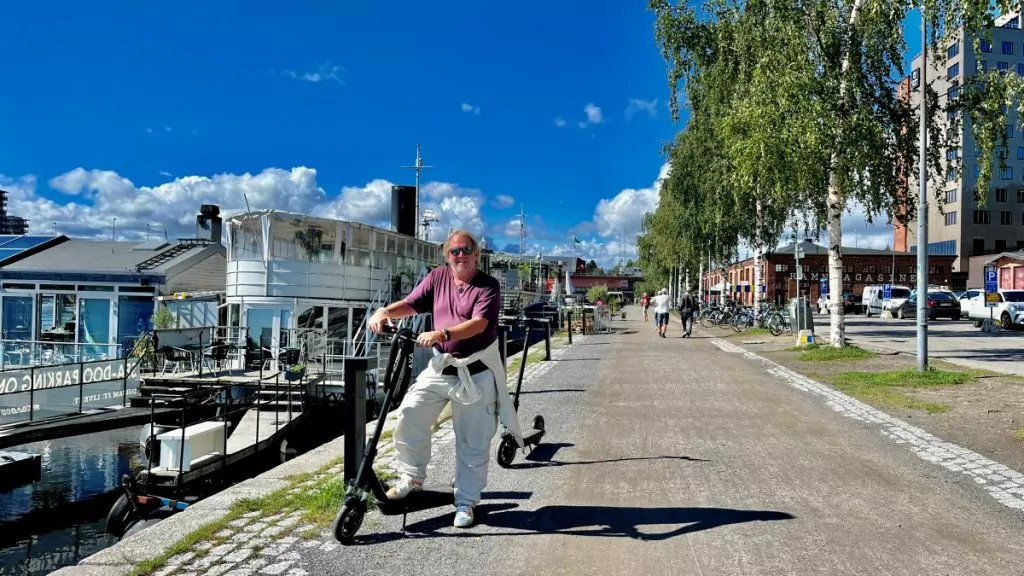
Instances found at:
x=661 y=311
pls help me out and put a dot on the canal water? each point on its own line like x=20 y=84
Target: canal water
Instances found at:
x=60 y=519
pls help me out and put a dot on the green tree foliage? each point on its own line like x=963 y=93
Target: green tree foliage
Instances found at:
x=794 y=114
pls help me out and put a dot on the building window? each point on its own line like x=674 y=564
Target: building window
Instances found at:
x=951 y=196
x=1001 y=151
x=977 y=170
x=1000 y=245
x=982 y=217
x=954 y=153
x=1020 y=68
x=986 y=47
x=1008 y=48
x=1000 y=194
x=935 y=269
x=978 y=247
x=1020 y=196
x=953 y=71
x=1002 y=66
x=1006 y=218
x=950 y=218
x=1009 y=130
x=869 y=269
x=951 y=175
x=982 y=66
x=1006 y=173
x=953 y=50
x=782 y=267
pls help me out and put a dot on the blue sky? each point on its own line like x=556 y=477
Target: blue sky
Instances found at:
x=142 y=111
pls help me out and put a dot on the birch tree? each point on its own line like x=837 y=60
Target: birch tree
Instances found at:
x=844 y=127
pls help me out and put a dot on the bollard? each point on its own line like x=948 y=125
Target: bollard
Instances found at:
x=583 y=321
x=568 y=324
x=547 y=341
x=355 y=415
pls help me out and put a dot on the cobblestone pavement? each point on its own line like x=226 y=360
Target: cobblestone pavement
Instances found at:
x=258 y=544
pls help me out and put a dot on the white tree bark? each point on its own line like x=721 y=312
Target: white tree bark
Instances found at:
x=837 y=320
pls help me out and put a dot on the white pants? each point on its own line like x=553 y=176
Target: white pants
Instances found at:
x=475 y=425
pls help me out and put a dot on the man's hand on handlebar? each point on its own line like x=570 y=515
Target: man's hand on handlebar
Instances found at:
x=429 y=339
x=378 y=320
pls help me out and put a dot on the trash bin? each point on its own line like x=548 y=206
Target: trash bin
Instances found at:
x=800 y=314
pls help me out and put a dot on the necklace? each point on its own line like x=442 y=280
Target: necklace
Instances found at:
x=462 y=285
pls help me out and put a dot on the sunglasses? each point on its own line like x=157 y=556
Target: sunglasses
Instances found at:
x=466 y=250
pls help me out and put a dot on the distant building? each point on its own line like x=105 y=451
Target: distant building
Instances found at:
x=10 y=225
x=861 y=267
x=965 y=228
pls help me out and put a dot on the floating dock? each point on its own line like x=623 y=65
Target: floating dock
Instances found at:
x=19 y=468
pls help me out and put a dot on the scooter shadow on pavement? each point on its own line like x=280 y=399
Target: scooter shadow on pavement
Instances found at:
x=543 y=456
x=605 y=521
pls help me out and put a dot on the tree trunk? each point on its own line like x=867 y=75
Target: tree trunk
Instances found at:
x=837 y=324
x=837 y=320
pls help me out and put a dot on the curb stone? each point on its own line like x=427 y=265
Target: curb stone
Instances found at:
x=1001 y=482
x=256 y=545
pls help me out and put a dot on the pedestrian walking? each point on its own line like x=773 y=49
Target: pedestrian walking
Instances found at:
x=661 y=311
x=645 y=301
x=687 y=308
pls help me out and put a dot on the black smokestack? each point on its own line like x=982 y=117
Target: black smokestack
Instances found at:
x=403 y=209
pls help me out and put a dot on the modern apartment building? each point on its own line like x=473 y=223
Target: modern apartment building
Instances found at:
x=965 y=227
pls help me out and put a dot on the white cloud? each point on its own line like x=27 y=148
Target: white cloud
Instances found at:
x=594 y=115
x=625 y=211
x=638 y=105
x=470 y=108
x=503 y=201
x=325 y=72
x=560 y=122
x=103 y=195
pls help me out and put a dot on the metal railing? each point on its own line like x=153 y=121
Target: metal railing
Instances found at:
x=56 y=391
x=222 y=394
x=25 y=353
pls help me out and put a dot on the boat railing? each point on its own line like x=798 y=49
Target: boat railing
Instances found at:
x=44 y=392
x=252 y=398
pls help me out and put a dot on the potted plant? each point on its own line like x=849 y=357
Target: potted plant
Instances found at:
x=294 y=372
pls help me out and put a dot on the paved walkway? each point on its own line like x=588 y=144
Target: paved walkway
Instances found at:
x=677 y=457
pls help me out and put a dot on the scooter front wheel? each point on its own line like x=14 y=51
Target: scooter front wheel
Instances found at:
x=348 y=521
x=506 y=452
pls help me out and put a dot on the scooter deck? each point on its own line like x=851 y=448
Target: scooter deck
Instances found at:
x=532 y=436
x=424 y=499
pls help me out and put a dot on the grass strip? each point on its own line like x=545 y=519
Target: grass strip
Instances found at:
x=816 y=353
x=883 y=389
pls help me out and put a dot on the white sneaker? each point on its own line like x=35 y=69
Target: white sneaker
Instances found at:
x=463 y=516
x=403 y=488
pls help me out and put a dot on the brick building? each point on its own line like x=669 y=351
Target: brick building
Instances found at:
x=862 y=267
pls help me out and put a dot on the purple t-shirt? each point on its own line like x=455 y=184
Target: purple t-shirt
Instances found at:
x=481 y=298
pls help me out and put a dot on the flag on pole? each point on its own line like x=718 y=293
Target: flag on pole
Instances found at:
x=576 y=240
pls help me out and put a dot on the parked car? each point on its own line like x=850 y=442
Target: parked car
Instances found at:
x=1008 y=312
x=941 y=304
x=874 y=303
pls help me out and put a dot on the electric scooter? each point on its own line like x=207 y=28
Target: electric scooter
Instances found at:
x=508 y=446
x=366 y=483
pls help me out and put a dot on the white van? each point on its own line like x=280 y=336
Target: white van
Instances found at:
x=873 y=302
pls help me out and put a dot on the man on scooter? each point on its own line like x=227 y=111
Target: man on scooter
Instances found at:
x=466 y=368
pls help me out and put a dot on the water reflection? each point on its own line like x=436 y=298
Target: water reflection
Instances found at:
x=59 y=520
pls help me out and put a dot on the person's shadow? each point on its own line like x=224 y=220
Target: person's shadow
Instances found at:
x=543 y=456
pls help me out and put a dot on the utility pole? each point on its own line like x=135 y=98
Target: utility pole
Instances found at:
x=922 y=213
x=522 y=231
x=418 y=167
